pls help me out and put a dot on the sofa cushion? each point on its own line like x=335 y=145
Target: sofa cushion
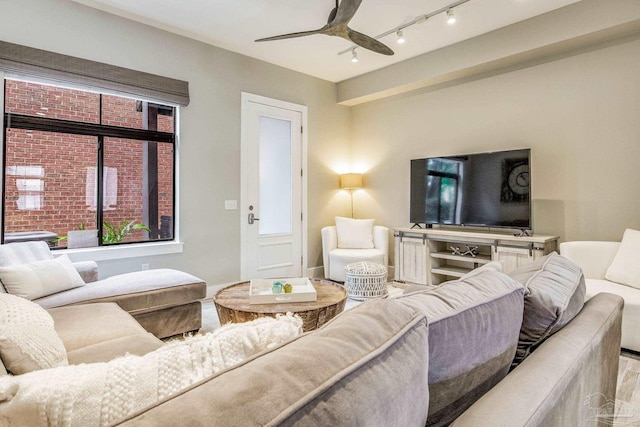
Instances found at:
x=474 y=324
x=354 y=233
x=365 y=367
x=554 y=294
x=135 y=292
x=36 y=279
x=625 y=267
x=87 y=324
x=138 y=345
x=102 y=393
x=28 y=340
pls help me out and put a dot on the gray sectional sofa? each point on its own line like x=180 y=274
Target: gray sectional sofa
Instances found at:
x=424 y=358
x=420 y=359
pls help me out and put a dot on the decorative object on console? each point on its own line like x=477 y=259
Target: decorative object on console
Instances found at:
x=351 y=181
x=365 y=280
x=471 y=251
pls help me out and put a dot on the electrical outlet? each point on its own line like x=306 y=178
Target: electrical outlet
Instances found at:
x=145 y=267
x=231 y=205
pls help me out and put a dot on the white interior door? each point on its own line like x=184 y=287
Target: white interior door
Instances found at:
x=272 y=188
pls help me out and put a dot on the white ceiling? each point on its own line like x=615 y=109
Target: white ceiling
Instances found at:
x=235 y=24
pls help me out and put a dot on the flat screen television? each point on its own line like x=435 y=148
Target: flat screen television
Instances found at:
x=483 y=190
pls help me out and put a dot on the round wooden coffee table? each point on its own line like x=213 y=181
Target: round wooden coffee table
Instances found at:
x=232 y=305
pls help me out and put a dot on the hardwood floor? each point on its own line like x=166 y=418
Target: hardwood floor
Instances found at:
x=627 y=395
x=628 y=392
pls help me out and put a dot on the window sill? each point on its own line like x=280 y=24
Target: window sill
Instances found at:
x=121 y=252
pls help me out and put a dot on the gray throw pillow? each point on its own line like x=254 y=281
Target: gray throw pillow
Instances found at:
x=474 y=324
x=554 y=294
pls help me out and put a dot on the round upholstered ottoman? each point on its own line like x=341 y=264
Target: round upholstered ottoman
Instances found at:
x=365 y=280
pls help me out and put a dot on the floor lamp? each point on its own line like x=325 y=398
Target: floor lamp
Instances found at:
x=351 y=181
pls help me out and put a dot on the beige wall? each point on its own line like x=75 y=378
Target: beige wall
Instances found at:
x=580 y=115
x=210 y=125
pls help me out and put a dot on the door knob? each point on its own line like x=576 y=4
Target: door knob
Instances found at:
x=252 y=218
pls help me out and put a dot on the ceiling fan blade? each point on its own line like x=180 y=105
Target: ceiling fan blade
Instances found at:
x=368 y=42
x=292 y=35
x=346 y=10
x=332 y=14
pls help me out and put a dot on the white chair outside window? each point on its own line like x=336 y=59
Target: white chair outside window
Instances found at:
x=353 y=240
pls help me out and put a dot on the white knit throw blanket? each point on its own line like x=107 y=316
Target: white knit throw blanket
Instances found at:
x=99 y=394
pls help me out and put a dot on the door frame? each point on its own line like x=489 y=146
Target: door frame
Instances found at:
x=246 y=98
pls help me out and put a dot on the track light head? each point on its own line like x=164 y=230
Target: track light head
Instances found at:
x=354 y=56
x=401 y=39
x=451 y=18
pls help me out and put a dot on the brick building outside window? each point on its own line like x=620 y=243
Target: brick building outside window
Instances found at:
x=80 y=164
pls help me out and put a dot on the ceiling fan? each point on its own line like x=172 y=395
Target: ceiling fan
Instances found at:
x=337 y=25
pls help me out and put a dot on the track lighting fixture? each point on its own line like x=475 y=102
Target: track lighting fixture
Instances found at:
x=451 y=18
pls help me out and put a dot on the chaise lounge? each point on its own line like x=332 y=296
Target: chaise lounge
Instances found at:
x=165 y=302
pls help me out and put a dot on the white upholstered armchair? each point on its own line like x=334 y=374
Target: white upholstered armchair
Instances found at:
x=338 y=251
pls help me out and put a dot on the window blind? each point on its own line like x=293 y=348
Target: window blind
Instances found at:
x=28 y=62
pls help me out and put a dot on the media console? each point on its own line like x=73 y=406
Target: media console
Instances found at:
x=432 y=256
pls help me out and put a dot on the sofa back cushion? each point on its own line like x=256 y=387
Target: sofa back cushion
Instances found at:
x=474 y=324
x=625 y=267
x=554 y=294
x=366 y=367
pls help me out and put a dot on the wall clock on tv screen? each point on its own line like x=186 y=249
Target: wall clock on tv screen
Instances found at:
x=515 y=180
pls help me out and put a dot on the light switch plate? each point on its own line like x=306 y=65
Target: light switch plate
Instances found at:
x=230 y=205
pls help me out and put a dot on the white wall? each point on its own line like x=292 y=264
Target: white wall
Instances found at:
x=210 y=125
x=580 y=115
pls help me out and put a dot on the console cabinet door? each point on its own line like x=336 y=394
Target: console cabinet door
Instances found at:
x=411 y=260
x=512 y=258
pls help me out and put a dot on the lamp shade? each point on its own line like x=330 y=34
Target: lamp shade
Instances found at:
x=351 y=181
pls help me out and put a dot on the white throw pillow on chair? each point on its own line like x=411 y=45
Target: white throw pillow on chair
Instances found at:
x=354 y=233
x=625 y=267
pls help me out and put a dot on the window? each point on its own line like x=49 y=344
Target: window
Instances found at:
x=442 y=190
x=86 y=169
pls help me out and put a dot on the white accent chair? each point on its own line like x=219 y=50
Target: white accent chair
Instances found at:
x=595 y=257
x=335 y=258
